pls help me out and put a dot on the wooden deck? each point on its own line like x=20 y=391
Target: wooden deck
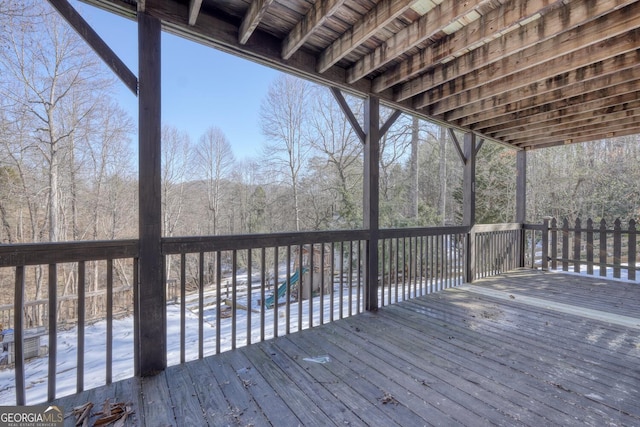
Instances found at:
x=511 y=350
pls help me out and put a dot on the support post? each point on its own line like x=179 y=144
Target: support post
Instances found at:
x=372 y=197
x=151 y=309
x=469 y=202
x=521 y=201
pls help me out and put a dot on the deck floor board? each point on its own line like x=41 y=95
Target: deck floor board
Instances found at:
x=457 y=357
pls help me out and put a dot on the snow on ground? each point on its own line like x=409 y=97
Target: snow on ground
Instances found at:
x=95 y=342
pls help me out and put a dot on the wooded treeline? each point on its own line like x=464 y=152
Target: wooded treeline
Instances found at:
x=67 y=159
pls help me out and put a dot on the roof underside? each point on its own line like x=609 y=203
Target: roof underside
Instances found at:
x=527 y=73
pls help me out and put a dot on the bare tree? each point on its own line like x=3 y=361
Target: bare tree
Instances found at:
x=176 y=154
x=213 y=160
x=50 y=68
x=337 y=144
x=283 y=118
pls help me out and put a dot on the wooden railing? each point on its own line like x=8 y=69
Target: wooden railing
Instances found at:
x=243 y=289
x=30 y=262
x=497 y=248
x=420 y=261
x=588 y=248
x=224 y=292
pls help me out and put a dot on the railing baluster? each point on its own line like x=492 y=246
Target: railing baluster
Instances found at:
x=322 y=281
x=300 y=285
x=577 y=243
x=275 y=291
x=311 y=281
x=589 y=246
x=263 y=280
x=109 y=367
x=200 y=305
x=234 y=299
x=333 y=269
x=631 y=274
x=617 y=248
x=53 y=330
x=603 y=248
x=341 y=279
x=183 y=307
x=18 y=335
x=218 y=255
x=396 y=268
x=350 y=279
x=81 y=325
x=249 y=294
x=565 y=244
x=360 y=267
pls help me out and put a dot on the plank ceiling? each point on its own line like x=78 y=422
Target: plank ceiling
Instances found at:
x=528 y=73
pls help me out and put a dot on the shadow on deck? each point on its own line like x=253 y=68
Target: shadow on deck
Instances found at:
x=525 y=348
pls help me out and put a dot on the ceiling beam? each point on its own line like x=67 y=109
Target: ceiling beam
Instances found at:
x=378 y=17
x=252 y=18
x=432 y=23
x=577 y=140
x=194 y=11
x=502 y=126
x=553 y=69
x=504 y=19
x=579 y=121
x=600 y=106
x=544 y=118
x=319 y=13
x=528 y=48
x=585 y=133
x=610 y=72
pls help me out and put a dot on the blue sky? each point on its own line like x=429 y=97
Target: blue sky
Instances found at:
x=202 y=86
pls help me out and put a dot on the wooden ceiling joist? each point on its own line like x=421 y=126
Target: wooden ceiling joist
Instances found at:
x=528 y=124
x=611 y=72
x=450 y=99
x=194 y=11
x=254 y=15
x=381 y=15
x=568 y=115
x=530 y=48
x=317 y=16
x=432 y=23
x=524 y=73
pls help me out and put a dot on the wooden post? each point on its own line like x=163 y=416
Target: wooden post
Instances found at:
x=521 y=202
x=370 y=137
x=371 y=200
x=469 y=202
x=151 y=299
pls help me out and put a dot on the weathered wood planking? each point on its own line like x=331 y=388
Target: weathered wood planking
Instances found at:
x=452 y=358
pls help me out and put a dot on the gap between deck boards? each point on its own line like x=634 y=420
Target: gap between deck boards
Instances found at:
x=617 y=319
